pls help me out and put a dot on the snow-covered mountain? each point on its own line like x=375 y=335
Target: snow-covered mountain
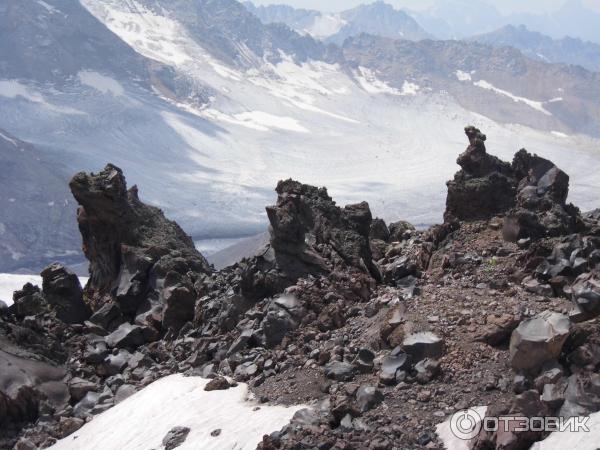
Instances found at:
x=541 y=47
x=205 y=108
x=378 y=18
x=458 y=19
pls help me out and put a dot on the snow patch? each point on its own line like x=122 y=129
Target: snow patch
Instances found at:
x=463 y=76
x=101 y=83
x=326 y=25
x=6 y=138
x=14 y=89
x=141 y=421
x=538 y=106
x=51 y=9
x=369 y=82
x=579 y=440
x=150 y=34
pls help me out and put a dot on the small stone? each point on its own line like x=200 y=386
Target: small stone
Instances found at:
x=175 y=437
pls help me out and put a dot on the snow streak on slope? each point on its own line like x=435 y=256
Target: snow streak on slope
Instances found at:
x=326 y=25
x=141 y=421
x=538 y=106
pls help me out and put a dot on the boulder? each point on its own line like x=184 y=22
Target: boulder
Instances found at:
x=423 y=345
x=398 y=361
x=108 y=317
x=64 y=294
x=538 y=340
x=126 y=336
x=368 y=397
x=585 y=293
x=340 y=371
x=175 y=437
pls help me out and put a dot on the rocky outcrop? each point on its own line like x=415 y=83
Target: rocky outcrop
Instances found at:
x=541 y=209
x=531 y=192
x=310 y=234
x=138 y=258
x=484 y=186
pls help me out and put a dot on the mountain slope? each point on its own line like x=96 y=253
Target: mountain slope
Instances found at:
x=37 y=209
x=219 y=110
x=544 y=48
x=378 y=18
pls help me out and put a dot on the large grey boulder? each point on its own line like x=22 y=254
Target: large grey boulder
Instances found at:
x=538 y=340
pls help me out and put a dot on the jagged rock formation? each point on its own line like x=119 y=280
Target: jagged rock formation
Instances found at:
x=310 y=234
x=336 y=307
x=484 y=187
x=138 y=258
x=532 y=191
x=541 y=209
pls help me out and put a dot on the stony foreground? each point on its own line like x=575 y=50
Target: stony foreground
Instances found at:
x=383 y=330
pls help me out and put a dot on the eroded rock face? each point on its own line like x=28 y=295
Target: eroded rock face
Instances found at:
x=310 y=234
x=483 y=187
x=541 y=208
x=135 y=253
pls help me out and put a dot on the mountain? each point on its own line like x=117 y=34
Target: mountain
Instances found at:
x=37 y=209
x=211 y=107
x=500 y=83
x=458 y=19
x=538 y=46
x=378 y=18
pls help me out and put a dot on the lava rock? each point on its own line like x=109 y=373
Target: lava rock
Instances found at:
x=368 y=397
x=538 y=340
x=63 y=292
x=126 y=336
x=339 y=371
x=175 y=437
x=423 y=345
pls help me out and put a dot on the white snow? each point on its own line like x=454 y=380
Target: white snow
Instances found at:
x=141 y=421
x=463 y=76
x=326 y=25
x=449 y=440
x=580 y=440
x=51 y=9
x=14 y=89
x=6 y=138
x=101 y=83
x=369 y=82
x=11 y=282
x=153 y=35
x=538 y=106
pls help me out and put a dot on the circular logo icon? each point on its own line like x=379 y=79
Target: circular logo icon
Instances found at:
x=465 y=424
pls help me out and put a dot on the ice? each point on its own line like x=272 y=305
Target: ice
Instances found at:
x=181 y=401
x=101 y=83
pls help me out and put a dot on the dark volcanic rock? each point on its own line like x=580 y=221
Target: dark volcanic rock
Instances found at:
x=483 y=187
x=134 y=251
x=175 y=437
x=310 y=234
x=541 y=208
x=63 y=292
